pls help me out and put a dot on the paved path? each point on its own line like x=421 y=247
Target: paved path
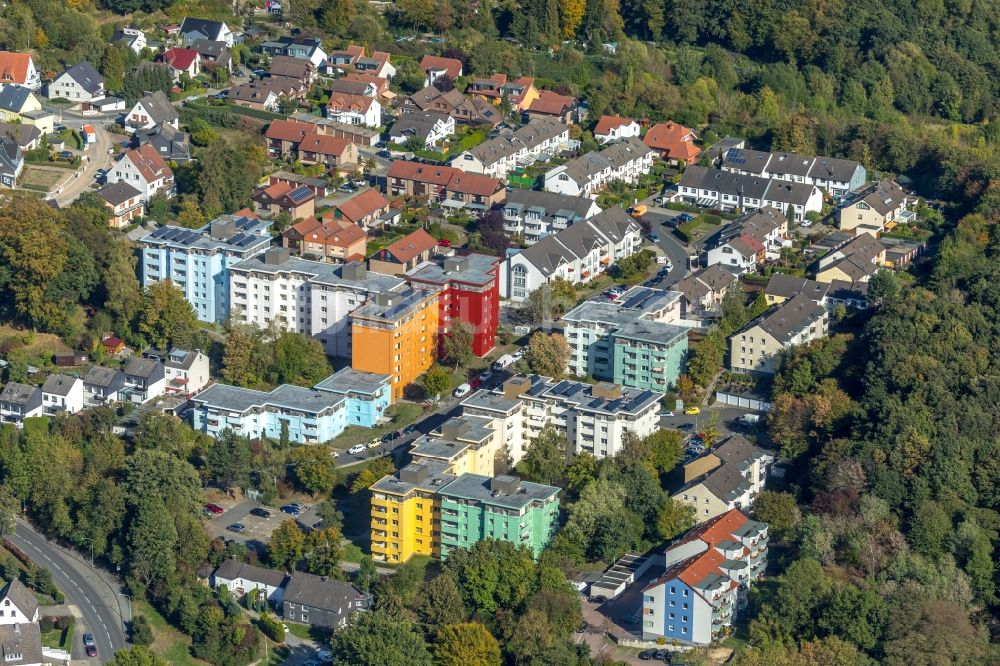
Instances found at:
x=93 y=592
x=99 y=159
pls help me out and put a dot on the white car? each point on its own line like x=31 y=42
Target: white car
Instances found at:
x=666 y=413
x=461 y=390
x=356 y=449
x=806 y=223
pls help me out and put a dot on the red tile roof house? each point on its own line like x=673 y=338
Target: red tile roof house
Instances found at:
x=284 y=136
x=435 y=67
x=673 y=142
x=403 y=255
x=613 y=128
x=363 y=209
x=331 y=151
x=328 y=239
x=297 y=200
x=182 y=61
x=475 y=190
x=553 y=105
x=443 y=183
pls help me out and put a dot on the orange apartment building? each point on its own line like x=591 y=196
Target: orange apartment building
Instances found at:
x=395 y=334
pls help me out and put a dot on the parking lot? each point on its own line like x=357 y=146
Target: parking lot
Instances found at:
x=257 y=529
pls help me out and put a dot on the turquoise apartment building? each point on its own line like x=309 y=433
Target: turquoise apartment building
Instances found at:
x=368 y=395
x=476 y=507
x=648 y=355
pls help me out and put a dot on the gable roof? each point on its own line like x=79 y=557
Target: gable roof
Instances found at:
x=549 y=254
x=340 y=101
x=324 y=144
x=882 y=197
x=452 y=68
x=418 y=123
x=330 y=231
x=211 y=29
x=20 y=596
x=13 y=97
x=149 y=162
x=14 y=67
x=676 y=140
x=474 y=183
x=118 y=193
x=159 y=108
x=180 y=58
x=321 y=592
x=233 y=569
x=86 y=76
x=21 y=134
x=56 y=384
x=409 y=246
x=551 y=103
x=288 y=130
x=608 y=123
x=10 y=155
x=362 y=205
x=789 y=286
x=785 y=321
x=297 y=68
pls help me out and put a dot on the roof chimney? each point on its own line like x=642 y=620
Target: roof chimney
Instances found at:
x=385 y=298
x=276 y=256
x=606 y=390
x=505 y=484
x=454 y=428
x=413 y=473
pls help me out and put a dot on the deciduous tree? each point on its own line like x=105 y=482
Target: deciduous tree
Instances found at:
x=549 y=355
x=466 y=644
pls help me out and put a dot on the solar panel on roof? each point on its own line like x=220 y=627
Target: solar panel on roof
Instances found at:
x=299 y=193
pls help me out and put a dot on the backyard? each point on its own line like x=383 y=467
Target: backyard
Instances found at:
x=39 y=180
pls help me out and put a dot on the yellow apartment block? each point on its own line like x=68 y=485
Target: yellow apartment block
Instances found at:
x=406 y=517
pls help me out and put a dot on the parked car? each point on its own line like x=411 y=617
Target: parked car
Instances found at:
x=654 y=238
x=685 y=217
x=390 y=436
x=293 y=509
x=444 y=242
x=806 y=224
x=59 y=127
x=486 y=376
x=646 y=655
x=260 y=513
x=461 y=390
x=91 y=650
x=384 y=154
x=670 y=413
x=239 y=528
x=65 y=154
x=374 y=442
x=410 y=428
x=88 y=639
x=691 y=411
x=214 y=509
x=357 y=449
x=686 y=427
x=598 y=599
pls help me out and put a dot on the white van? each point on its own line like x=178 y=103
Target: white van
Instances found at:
x=461 y=390
x=503 y=362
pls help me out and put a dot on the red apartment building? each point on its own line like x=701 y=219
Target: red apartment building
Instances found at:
x=469 y=290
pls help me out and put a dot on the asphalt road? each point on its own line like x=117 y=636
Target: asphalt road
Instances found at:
x=93 y=592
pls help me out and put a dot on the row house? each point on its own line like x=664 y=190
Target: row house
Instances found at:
x=103 y=386
x=354 y=109
x=444 y=183
x=724 y=190
x=519 y=93
x=472 y=111
x=578 y=253
x=538 y=140
x=532 y=215
x=588 y=174
x=837 y=176
x=186 y=371
x=743 y=245
x=145 y=379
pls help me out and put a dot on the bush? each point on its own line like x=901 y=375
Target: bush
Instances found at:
x=46 y=624
x=142 y=631
x=272 y=628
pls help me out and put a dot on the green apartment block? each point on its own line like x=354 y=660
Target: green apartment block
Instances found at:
x=648 y=355
x=476 y=507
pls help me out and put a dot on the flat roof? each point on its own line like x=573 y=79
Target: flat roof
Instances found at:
x=478 y=487
x=322 y=273
x=404 y=303
x=435 y=447
x=479 y=269
x=653 y=332
x=237 y=399
x=436 y=477
x=349 y=380
x=483 y=399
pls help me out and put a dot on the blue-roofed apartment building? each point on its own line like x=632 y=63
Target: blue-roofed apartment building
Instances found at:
x=312 y=415
x=198 y=260
x=368 y=395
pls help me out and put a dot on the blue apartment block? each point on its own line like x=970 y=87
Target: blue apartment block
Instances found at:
x=368 y=395
x=311 y=416
x=198 y=260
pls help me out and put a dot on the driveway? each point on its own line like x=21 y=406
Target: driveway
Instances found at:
x=99 y=159
x=257 y=529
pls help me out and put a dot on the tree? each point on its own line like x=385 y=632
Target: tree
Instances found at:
x=545 y=459
x=375 y=470
x=435 y=381
x=675 y=518
x=167 y=319
x=883 y=287
x=778 y=510
x=151 y=540
x=142 y=631
x=439 y=601
x=286 y=546
x=299 y=359
x=314 y=467
x=190 y=214
x=492 y=575
x=140 y=655
x=466 y=644
x=457 y=344
x=122 y=293
x=229 y=460
x=237 y=357
x=549 y=355
x=492 y=236
x=663 y=449
x=378 y=638
x=323 y=551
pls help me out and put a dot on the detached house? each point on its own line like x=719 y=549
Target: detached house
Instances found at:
x=673 y=142
x=152 y=110
x=145 y=379
x=403 y=255
x=144 y=169
x=300 y=48
x=62 y=393
x=172 y=144
x=11 y=162
x=213 y=54
x=555 y=106
x=354 y=109
x=182 y=61
x=186 y=370
x=613 y=128
x=435 y=67
x=362 y=209
x=131 y=38
x=193 y=29
x=703 y=291
x=18 y=69
x=332 y=151
x=756 y=347
x=19 y=402
x=321 y=602
x=293 y=68
x=241 y=578
x=125 y=201
x=428 y=126
x=102 y=386
x=298 y=201
x=877 y=208
x=80 y=84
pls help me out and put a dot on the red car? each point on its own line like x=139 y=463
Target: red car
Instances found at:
x=91 y=651
x=474 y=383
x=214 y=509
x=444 y=242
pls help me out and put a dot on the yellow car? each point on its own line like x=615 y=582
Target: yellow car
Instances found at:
x=692 y=410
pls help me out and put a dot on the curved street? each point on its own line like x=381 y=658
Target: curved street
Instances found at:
x=102 y=609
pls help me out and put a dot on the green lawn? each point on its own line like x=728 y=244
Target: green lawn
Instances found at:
x=306 y=632
x=172 y=644
x=352 y=553
x=401 y=414
x=60 y=639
